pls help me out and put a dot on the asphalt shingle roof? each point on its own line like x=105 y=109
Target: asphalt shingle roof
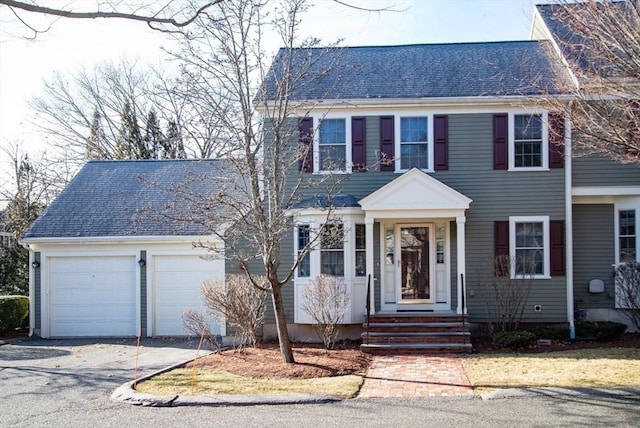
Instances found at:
x=324 y=201
x=424 y=71
x=125 y=198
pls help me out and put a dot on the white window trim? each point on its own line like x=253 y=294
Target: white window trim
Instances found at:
x=631 y=204
x=545 y=140
x=398 y=131
x=317 y=120
x=349 y=222
x=546 y=244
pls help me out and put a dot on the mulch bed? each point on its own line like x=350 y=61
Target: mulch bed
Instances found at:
x=484 y=345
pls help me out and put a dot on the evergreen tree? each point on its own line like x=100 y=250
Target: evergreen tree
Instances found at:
x=130 y=144
x=97 y=138
x=153 y=136
x=172 y=146
x=21 y=211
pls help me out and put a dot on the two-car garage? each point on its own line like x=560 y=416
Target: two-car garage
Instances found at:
x=122 y=295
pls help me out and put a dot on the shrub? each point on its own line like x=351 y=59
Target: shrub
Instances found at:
x=196 y=323
x=627 y=280
x=13 y=312
x=601 y=331
x=551 y=332
x=514 y=339
x=326 y=300
x=505 y=297
x=238 y=302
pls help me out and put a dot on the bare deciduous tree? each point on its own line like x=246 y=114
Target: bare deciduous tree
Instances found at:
x=601 y=41
x=93 y=114
x=224 y=60
x=162 y=16
x=34 y=183
x=326 y=300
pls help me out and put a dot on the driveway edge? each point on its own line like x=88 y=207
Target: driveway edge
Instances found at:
x=126 y=393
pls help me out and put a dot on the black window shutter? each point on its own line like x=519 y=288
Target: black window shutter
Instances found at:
x=556 y=140
x=557 y=254
x=441 y=142
x=386 y=143
x=358 y=143
x=501 y=248
x=500 y=141
x=305 y=144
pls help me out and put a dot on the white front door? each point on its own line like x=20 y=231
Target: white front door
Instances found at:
x=415 y=265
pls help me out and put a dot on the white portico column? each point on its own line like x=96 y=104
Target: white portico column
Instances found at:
x=368 y=222
x=461 y=239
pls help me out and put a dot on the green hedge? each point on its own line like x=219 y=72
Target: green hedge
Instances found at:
x=601 y=331
x=13 y=312
x=514 y=339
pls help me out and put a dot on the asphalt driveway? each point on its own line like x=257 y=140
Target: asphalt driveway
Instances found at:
x=67 y=383
x=39 y=377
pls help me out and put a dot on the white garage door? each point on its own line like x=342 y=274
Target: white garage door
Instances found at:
x=92 y=296
x=177 y=284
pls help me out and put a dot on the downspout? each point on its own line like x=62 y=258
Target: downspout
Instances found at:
x=569 y=226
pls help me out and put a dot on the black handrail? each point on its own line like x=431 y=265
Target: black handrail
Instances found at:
x=368 y=307
x=463 y=304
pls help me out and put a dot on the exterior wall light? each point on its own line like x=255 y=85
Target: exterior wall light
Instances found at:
x=35 y=264
x=142 y=263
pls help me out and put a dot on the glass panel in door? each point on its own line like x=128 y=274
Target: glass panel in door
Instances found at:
x=414 y=263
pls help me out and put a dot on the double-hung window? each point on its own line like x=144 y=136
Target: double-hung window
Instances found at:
x=304 y=237
x=332 y=250
x=627 y=236
x=360 y=250
x=414 y=144
x=530 y=246
x=529 y=146
x=332 y=145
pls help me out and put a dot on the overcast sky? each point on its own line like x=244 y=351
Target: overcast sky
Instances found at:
x=72 y=44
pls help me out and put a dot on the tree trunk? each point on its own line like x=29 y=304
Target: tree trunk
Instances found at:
x=281 y=325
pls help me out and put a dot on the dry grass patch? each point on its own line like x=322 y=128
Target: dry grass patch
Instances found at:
x=211 y=382
x=598 y=368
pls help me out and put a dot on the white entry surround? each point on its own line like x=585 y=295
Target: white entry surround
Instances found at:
x=416 y=199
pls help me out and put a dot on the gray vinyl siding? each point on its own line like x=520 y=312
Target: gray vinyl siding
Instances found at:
x=593 y=254
x=598 y=171
x=496 y=195
x=232 y=267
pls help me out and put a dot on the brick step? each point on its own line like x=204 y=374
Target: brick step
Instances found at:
x=415 y=337
x=395 y=318
x=415 y=326
x=415 y=348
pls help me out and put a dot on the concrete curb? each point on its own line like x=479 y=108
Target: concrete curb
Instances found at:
x=126 y=393
x=615 y=393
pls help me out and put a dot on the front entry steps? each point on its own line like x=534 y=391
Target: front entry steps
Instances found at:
x=416 y=333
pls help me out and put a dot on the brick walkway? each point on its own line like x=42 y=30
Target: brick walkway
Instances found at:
x=415 y=376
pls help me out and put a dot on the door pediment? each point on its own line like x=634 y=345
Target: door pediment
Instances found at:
x=416 y=191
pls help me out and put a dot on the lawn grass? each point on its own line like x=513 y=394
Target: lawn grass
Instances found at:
x=212 y=382
x=596 y=368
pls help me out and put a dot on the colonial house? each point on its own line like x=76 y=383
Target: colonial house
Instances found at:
x=449 y=156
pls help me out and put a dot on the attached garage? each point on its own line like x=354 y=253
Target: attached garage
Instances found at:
x=177 y=281
x=92 y=296
x=104 y=259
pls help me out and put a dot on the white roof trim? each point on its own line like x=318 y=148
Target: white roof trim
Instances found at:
x=606 y=191
x=117 y=239
x=415 y=192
